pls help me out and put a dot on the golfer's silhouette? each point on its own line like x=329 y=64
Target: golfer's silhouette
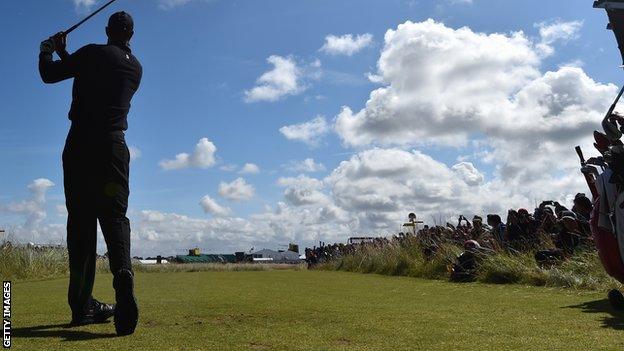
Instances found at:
x=96 y=166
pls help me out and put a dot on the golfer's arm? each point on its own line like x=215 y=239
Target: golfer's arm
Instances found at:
x=63 y=54
x=54 y=71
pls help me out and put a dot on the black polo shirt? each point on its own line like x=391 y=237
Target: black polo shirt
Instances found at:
x=105 y=79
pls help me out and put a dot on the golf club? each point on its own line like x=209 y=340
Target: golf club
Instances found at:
x=48 y=45
x=611 y=130
x=72 y=28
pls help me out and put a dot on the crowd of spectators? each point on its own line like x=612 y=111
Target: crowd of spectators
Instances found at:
x=551 y=230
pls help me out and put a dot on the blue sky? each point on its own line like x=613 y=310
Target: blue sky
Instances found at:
x=203 y=59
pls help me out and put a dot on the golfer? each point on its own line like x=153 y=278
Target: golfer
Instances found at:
x=96 y=166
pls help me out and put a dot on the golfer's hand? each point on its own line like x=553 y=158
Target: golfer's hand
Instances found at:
x=60 y=42
x=47 y=46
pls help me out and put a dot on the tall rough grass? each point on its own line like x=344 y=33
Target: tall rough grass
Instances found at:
x=399 y=259
x=583 y=271
x=23 y=262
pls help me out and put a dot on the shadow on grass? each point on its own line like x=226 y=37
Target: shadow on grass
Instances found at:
x=63 y=331
x=615 y=320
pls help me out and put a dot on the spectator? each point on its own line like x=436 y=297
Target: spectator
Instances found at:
x=582 y=207
x=498 y=228
x=513 y=233
x=569 y=236
x=482 y=233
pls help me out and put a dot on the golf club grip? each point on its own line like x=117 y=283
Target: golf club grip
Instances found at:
x=591 y=182
x=72 y=28
x=579 y=152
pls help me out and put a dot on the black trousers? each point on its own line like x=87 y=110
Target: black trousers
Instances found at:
x=96 y=171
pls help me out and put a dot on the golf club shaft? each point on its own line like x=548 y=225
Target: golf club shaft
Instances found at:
x=72 y=28
x=614 y=103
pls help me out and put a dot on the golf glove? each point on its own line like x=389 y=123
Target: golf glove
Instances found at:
x=47 y=46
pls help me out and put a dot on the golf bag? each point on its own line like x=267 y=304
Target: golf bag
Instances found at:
x=605 y=174
x=607 y=225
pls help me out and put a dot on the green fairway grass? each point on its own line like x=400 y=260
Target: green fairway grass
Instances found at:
x=313 y=310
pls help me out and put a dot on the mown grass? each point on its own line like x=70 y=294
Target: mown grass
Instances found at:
x=312 y=310
x=27 y=263
x=583 y=271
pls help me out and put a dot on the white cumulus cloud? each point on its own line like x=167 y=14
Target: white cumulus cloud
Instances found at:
x=283 y=80
x=309 y=132
x=303 y=190
x=445 y=85
x=83 y=6
x=228 y=168
x=202 y=157
x=249 y=168
x=135 y=152
x=211 y=206
x=306 y=166
x=34 y=208
x=469 y=173
x=347 y=44
x=552 y=32
x=171 y=233
x=381 y=186
x=237 y=190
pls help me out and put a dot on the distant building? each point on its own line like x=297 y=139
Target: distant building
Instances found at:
x=293 y=247
x=271 y=256
x=153 y=261
x=202 y=258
